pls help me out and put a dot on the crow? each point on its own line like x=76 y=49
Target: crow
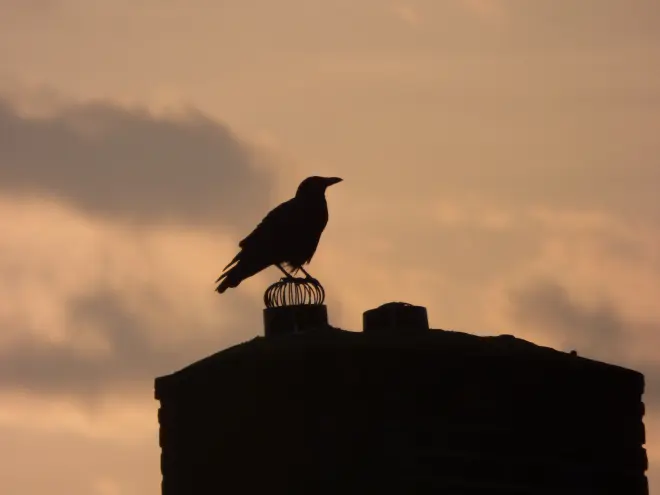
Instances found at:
x=288 y=235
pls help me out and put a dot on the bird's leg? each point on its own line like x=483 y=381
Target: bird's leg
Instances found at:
x=287 y=274
x=307 y=275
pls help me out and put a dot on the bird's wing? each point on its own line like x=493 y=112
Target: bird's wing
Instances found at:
x=267 y=237
x=276 y=224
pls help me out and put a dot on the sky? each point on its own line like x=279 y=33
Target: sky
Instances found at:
x=500 y=163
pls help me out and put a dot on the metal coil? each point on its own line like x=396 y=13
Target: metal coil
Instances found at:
x=293 y=291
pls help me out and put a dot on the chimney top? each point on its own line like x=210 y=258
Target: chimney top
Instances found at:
x=299 y=318
x=395 y=318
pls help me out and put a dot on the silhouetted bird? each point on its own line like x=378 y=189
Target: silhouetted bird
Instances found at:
x=288 y=235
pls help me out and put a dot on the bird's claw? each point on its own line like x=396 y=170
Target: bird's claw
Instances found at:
x=307 y=279
x=312 y=280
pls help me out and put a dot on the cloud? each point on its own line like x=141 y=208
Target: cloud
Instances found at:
x=596 y=331
x=92 y=308
x=129 y=360
x=547 y=304
x=20 y=9
x=69 y=463
x=130 y=164
x=582 y=24
x=407 y=14
x=491 y=10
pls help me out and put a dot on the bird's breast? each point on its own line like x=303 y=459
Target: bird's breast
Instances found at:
x=305 y=236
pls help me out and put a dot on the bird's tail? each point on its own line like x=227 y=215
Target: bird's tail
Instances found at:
x=228 y=279
x=235 y=275
x=224 y=285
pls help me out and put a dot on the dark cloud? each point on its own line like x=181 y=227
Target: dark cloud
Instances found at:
x=136 y=356
x=598 y=332
x=128 y=163
x=595 y=330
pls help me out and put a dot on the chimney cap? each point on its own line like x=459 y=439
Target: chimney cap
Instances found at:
x=396 y=318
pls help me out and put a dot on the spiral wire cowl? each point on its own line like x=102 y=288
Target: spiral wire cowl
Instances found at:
x=293 y=291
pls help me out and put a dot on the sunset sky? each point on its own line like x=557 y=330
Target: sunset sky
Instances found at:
x=500 y=162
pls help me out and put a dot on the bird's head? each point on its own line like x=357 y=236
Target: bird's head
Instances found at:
x=316 y=185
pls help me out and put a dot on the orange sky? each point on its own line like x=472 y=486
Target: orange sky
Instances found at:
x=500 y=165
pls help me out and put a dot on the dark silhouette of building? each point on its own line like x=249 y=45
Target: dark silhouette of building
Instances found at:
x=399 y=408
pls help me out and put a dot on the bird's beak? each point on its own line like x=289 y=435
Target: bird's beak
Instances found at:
x=332 y=180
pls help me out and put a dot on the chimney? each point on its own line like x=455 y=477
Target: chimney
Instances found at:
x=395 y=318
x=286 y=320
x=294 y=305
x=418 y=411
